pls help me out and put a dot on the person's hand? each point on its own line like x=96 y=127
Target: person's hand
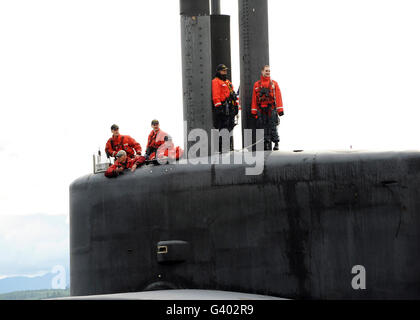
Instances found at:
x=281 y=113
x=134 y=167
x=119 y=169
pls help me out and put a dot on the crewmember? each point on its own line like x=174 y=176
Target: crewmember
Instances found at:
x=155 y=140
x=160 y=145
x=267 y=107
x=121 y=142
x=122 y=163
x=225 y=103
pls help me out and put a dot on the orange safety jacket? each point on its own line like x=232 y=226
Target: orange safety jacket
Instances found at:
x=156 y=139
x=169 y=151
x=128 y=164
x=221 y=90
x=126 y=143
x=261 y=100
x=157 y=146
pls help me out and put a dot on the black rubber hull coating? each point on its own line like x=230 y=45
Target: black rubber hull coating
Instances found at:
x=194 y=7
x=295 y=231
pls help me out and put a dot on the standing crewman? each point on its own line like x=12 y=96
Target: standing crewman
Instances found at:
x=119 y=142
x=267 y=107
x=225 y=103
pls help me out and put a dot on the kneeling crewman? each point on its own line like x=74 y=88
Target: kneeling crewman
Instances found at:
x=122 y=163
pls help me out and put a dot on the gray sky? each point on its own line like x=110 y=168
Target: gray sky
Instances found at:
x=33 y=244
x=349 y=72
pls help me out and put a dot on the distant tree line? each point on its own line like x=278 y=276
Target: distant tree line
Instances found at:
x=35 y=294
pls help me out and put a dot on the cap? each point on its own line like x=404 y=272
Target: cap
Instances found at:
x=221 y=67
x=154 y=121
x=120 y=154
x=114 y=127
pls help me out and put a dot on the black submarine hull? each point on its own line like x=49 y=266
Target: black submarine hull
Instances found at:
x=294 y=231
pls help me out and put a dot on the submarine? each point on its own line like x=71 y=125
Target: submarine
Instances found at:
x=310 y=225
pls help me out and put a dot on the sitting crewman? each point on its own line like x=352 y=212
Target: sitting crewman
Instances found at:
x=119 y=142
x=160 y=145
x=167 y=151
x=122 y=163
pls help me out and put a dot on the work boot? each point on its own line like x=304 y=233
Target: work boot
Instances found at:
x=276 y=146
x=267 y=145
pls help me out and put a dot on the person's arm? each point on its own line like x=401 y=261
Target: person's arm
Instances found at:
x=254 y=101
x=237 y=99
x=279 y=100
x=134 y=144
x=148 y=152
x=215 y=91
x=138 y=161
x=148 y=148
x=108 y=149
x=113 y=171
x=132 y=163
x=149 y=139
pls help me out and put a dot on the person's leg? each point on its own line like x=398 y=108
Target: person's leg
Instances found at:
x=275 y=121
x=231 y=126
x=219 y=125
x=267 y=130
x=225 y=123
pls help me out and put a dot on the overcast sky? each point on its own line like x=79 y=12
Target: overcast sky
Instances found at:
x=349 y=72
